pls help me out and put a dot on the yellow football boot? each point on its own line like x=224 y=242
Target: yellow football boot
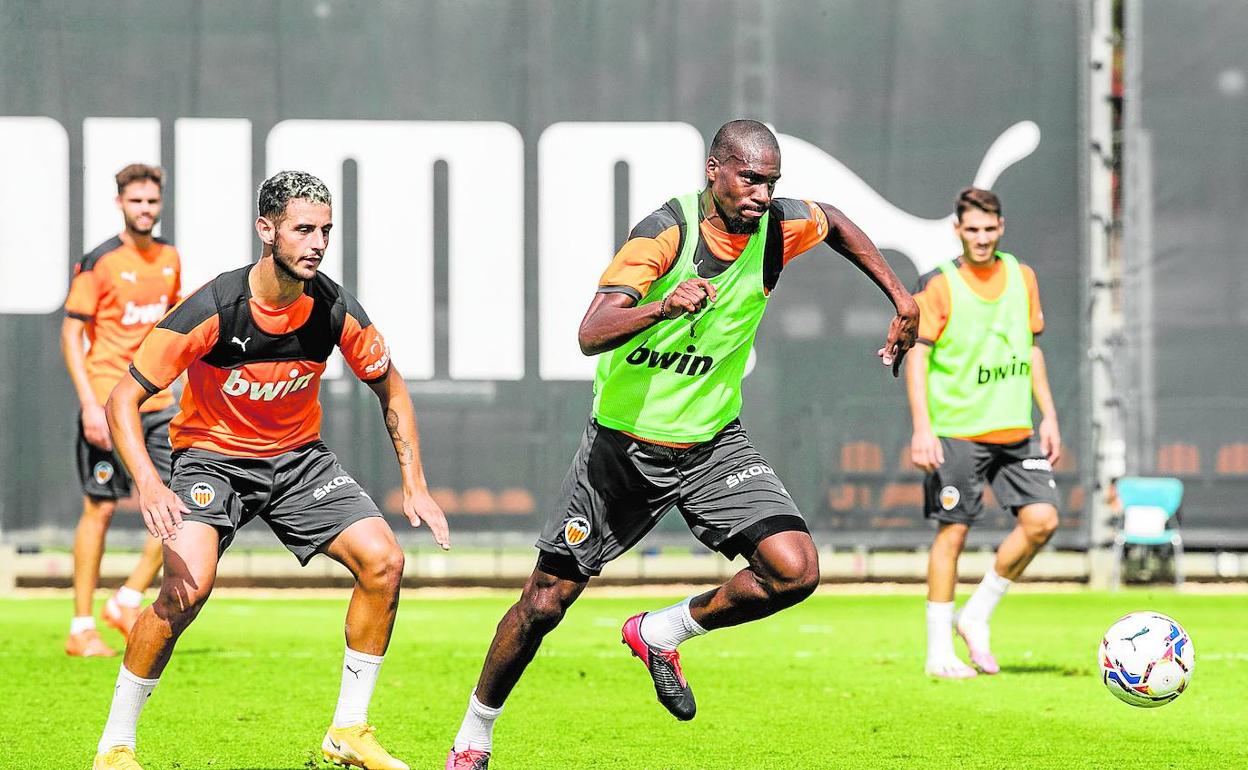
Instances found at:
x=357 y=746
x=116 y=758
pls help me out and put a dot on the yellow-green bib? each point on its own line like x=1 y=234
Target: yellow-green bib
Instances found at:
x=680 y=380
x=979 y=372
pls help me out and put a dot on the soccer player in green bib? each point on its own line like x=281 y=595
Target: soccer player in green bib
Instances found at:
x=971 y=383
x=673 y=319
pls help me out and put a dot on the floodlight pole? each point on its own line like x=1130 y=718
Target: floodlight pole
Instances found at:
x=1103 y=318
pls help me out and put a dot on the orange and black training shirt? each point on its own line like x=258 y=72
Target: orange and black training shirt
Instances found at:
x=120 y=293
x=254 y=372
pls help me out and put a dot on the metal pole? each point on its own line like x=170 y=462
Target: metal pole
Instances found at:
x=1138 y=292
x=1102 y=307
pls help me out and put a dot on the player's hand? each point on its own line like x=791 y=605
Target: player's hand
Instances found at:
x=1050 y=439
x=162 y=510
x=95 y=427
x=902 y=333
x=418 y=506
x=688 y=297
x=925 y=451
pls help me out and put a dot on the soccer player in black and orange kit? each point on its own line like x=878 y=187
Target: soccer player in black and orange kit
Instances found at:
x=254 y=343
x=119 y=291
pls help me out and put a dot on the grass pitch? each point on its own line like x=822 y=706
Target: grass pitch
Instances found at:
x=836 y=682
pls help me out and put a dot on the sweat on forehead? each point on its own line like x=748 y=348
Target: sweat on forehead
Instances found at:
x=286 y=186
x=743 y=139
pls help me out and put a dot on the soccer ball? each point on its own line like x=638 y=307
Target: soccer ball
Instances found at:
x=1146 y=659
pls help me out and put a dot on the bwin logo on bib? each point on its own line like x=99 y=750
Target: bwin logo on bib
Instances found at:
x=575 y=530
x=687 y=363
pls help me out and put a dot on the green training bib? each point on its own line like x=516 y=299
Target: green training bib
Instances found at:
x=680 y=380
x=979 y=372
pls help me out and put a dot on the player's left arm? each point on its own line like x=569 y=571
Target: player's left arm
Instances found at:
x=1050 y=435
x=1042 y=394
x=368 y=355
x=848 y=240
x=400 y=419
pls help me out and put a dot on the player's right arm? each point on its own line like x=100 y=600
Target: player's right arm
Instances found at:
x=162 y=510
x=614 y=317
x=932 y=299
x=80 y=307
x=925 y=451
x=187 y=333
x=94 y=426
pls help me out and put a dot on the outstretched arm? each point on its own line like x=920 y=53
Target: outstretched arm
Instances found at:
x=849 y=241
x=400 y=418
x=162 y=509
x=613 y=318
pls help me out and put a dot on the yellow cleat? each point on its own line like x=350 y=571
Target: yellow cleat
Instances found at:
x=357 y=746
x=116 y=758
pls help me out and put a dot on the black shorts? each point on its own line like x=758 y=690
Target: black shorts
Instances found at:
x=102 y=473
x=618 y=488
x=1019 y=474
x=304 y=495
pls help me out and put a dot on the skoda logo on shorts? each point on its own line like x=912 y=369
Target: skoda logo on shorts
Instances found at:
x=575 y=530
x=949 y=497
x=103 y=472
x=203 y=494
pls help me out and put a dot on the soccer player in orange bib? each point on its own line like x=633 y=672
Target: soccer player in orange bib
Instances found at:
x=254 y=343
x=118 y=293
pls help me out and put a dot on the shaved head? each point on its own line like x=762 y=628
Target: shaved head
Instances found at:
x=744 y=140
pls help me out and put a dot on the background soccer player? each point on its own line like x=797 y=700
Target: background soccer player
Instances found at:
x=970 y=384
x=254 y=342
x=118 y=293
x=675 y=317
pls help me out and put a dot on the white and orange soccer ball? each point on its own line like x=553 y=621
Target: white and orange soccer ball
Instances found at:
x=1146 y=659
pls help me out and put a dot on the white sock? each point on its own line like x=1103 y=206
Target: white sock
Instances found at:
x=939 y=631
x=129 y=697
x=80 y=624
x=477 y=729
x=978 y=608
x=128 y=597
x=359 y=677
x=670 y=626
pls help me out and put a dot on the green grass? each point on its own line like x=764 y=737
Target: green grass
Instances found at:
x=836 y=682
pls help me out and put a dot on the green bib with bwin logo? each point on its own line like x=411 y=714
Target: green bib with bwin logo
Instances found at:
x=979 y=371
x=680 y=380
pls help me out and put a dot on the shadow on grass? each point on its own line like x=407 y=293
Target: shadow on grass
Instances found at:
x=1045 y=668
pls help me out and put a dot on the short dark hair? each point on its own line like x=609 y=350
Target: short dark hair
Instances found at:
x=285 y=186
x=977 y=198
x=738 y=136
x=139 y=172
